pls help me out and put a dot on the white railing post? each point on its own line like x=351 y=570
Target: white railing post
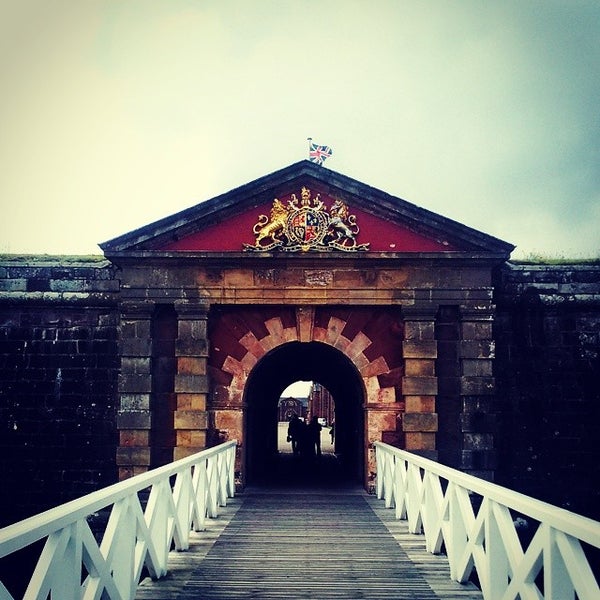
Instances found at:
x=183 y=504
x=496 y=562
x=200 y=479
x=414 y=497
x=212 y=487
x=156 y=516
x=57 y=569
x=433 y=512
x=380 y=458
x=557 y=583
x=400 y=487
x=132 y=537
x=120 y=553
x=230 y=472
x=223 y=475
x=455 y=531
x=487 y=539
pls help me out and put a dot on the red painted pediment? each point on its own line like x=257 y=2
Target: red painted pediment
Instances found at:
x=242 y=232
x=305 y=208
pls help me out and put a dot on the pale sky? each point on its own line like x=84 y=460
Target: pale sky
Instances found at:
x=116 y=113
x=298 y=389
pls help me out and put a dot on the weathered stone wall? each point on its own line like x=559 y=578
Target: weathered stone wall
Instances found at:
x=419 y=286
x=72 y=341
x=547 y=333
x=58 y=374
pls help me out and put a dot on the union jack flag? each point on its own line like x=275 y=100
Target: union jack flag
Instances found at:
x=318 y=154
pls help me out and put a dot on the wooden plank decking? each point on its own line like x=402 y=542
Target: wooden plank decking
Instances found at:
x=273 y=543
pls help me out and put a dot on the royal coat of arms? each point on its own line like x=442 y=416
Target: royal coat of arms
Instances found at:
x=306 y=224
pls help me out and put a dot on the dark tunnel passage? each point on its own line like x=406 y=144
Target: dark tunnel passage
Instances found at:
x=310 y=361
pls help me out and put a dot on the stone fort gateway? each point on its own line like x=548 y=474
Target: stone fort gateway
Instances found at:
x=188 y=330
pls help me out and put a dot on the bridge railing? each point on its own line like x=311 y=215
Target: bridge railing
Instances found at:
x=475 y=523
x=72 y=565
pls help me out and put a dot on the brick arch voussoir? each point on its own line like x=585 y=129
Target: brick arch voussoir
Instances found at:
x=278 y=335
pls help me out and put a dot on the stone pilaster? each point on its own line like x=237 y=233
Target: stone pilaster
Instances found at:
x=134 y=418
x=477 y=389
x=419 y=385
x=191 y=380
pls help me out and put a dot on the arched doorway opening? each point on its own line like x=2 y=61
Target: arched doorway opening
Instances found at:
x=309 y=361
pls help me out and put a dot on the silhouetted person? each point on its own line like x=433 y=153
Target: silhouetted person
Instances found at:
x=332 y=431
x=314 y=436
x=295 y=431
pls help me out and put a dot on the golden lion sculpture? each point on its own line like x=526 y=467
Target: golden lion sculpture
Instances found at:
x=270 y=228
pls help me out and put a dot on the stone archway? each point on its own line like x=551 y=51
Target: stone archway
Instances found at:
x=275 y=345
x=309 y=361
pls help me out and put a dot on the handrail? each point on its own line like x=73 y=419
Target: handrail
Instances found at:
x=553 y=566
x=133 y=537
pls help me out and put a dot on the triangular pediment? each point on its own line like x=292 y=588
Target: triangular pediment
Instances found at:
x=305 y=207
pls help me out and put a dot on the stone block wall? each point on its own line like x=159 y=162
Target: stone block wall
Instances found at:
x=78 y=367
x=58 y=376
x=547 y=334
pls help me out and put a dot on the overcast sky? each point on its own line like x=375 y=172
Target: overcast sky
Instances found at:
x=116 y=113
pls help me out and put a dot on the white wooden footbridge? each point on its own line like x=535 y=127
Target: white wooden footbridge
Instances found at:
x=181 y=532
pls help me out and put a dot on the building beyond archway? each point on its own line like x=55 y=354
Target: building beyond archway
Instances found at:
x=306 y=274
x=288 y=362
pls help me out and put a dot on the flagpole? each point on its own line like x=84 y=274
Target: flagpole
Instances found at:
x=309 y=141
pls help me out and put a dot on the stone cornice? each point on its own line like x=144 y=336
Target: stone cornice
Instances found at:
x=266 y=259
